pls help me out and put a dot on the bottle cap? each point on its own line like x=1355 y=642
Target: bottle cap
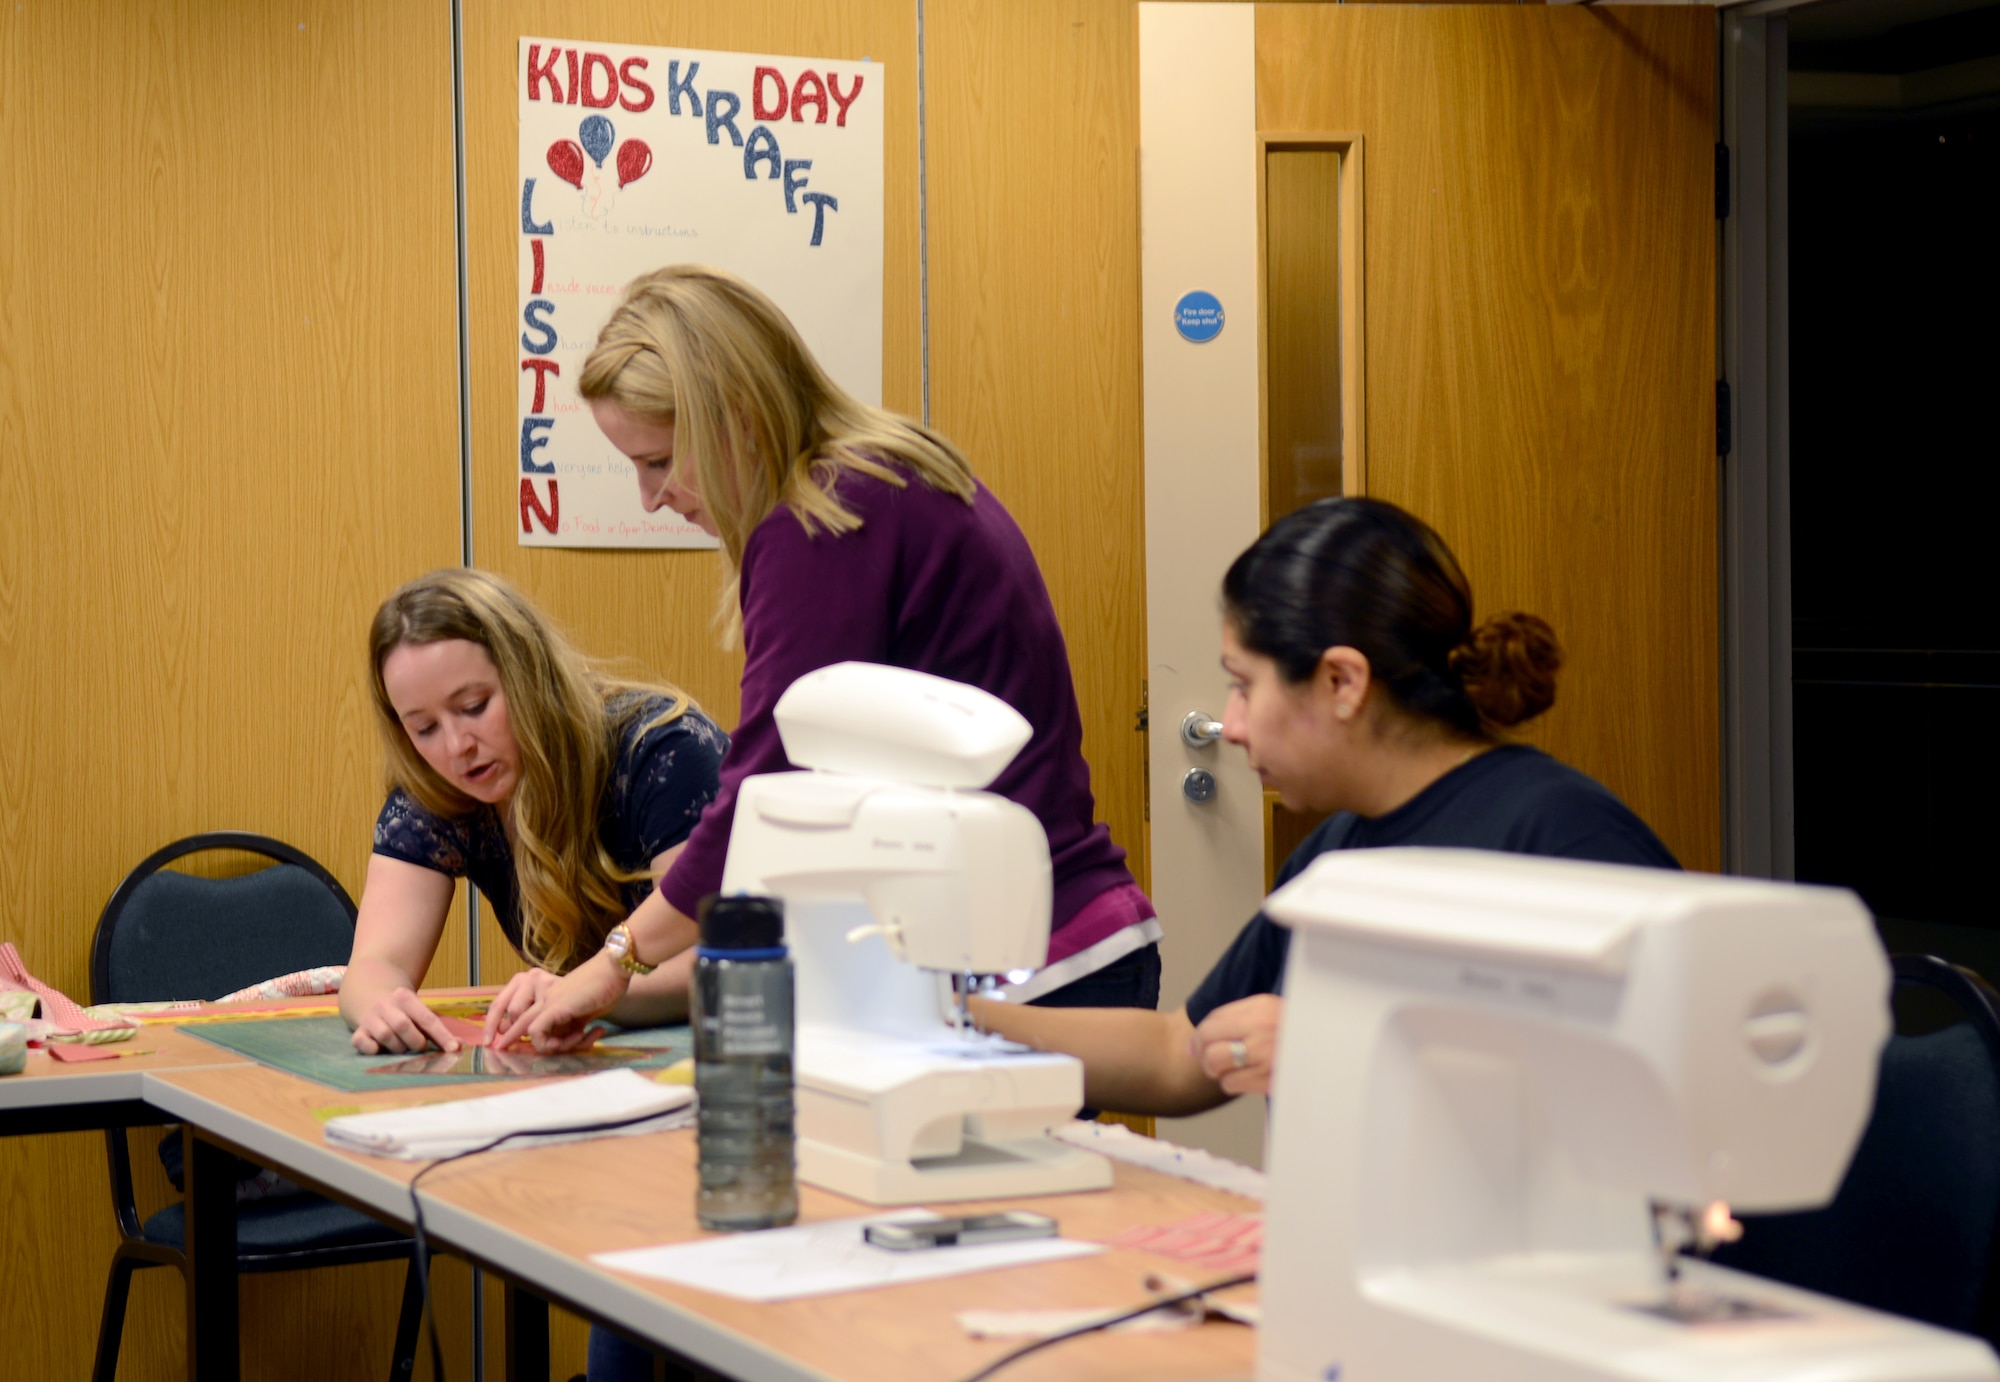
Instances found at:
x=741 y=921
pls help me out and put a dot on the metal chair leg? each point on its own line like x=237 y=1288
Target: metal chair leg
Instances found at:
x=111 y=1326
x=409 y=1325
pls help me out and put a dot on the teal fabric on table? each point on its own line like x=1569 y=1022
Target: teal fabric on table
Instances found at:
x=320 y=1049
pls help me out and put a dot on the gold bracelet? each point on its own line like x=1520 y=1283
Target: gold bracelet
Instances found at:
x=621 y=946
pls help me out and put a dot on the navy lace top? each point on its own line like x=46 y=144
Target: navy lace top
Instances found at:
x=661 y=782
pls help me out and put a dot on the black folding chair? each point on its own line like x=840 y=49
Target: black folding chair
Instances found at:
x=166 y=934
x=1916 y=1223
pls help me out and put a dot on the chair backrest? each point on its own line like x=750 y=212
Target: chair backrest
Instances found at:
x=167 y=935
x=1914 y=1227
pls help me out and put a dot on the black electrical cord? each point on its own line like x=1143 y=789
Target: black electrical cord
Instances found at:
x=422 y=1261
x=1162 y=1303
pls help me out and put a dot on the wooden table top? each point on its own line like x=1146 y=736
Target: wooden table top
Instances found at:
x=538 y=1213
x=161 y=1044
x=48 y=1082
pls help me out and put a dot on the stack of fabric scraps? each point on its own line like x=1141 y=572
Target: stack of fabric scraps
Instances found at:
x=1220 y=1244
x=62 y=1019
x=1040 y=1324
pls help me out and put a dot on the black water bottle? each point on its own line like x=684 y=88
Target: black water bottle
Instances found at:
x=743 y=1065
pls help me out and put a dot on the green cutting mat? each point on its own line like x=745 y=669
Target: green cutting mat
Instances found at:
x=319 y=1048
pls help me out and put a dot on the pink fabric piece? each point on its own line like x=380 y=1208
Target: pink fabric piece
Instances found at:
x=1226 y=1244
x=66 y=1015
x=77 y=1055
x=474 y=1033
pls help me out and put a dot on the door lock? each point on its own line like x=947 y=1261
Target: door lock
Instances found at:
x=1198 y=786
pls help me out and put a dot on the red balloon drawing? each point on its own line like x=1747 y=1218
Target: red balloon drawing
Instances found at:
x=634 y=158
x=566 y=161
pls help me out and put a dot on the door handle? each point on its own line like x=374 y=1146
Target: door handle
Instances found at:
x=1198 y=731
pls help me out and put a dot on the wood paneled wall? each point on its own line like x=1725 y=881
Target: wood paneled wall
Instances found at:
x=228 y=404
x=1034 y=267
x=1540 y=341
x=228 y=390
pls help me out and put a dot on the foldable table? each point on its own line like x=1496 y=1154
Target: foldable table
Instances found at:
x=533 y=1216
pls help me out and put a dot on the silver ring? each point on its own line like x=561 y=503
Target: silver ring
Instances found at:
x=1239 y=1055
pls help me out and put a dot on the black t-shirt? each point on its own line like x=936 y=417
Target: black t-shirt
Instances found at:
x=660 y=783
x=1513 y=799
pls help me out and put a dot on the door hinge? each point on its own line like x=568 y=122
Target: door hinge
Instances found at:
x=1722 y=418
x=1721 y=182
x=1143 y=723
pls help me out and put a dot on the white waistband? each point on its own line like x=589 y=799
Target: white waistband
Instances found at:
x=1088 y=960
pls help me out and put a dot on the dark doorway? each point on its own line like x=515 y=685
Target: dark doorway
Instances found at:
x=1895 y=379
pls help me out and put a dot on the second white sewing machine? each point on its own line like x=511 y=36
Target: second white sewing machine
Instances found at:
x=896 y=872
x=1492 y=1063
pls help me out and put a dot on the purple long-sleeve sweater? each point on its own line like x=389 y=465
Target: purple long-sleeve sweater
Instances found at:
x=935 y=584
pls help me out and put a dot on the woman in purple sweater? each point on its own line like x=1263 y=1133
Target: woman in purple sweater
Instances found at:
x=851 y=534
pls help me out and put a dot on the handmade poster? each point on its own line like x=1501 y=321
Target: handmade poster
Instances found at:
x=633 y=158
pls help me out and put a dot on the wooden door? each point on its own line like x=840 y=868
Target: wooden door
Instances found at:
x=1540 y=261
x=1532 y=285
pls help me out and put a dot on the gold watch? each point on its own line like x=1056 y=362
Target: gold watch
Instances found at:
x=619 y=944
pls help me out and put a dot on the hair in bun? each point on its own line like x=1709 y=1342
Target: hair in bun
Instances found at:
x=1363 y=574
x=1508 y=667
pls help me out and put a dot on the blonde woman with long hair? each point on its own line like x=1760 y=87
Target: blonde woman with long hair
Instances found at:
x=559 y=791
x=848 y=533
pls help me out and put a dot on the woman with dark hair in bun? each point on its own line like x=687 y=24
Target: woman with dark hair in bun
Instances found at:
x=1360 y=686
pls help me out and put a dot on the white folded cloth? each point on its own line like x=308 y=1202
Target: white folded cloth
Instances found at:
x=551 y=1113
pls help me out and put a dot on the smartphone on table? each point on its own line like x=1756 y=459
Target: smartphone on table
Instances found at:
x=962 y=1232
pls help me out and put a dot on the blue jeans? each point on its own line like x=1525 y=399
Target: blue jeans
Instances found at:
x=1130 y=982
x=614 y=1358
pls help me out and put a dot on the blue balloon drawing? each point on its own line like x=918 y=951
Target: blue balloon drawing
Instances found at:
x=598 y=137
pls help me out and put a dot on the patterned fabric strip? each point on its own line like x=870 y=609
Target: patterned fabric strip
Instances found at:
x=300 y=983
x=56 y=1008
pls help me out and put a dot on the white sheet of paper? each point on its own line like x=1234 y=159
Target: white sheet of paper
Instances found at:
x=824 y=1259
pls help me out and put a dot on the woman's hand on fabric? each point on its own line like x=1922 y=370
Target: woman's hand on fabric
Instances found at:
x=400 y=1022
x=516 y=1000
x=560 y=1019
x=1237 y=1044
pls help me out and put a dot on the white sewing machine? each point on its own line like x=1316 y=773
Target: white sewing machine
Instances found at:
x=1489 y=1065
x=896 y=871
